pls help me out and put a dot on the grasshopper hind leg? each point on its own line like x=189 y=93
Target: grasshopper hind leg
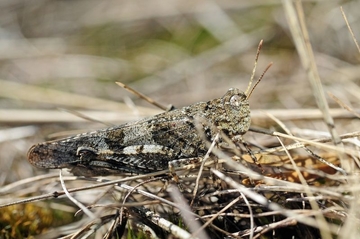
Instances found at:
x=183 y=164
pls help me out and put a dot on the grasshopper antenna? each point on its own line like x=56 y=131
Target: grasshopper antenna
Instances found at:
x=255 y=65
x=250 y=89
x=258 y=81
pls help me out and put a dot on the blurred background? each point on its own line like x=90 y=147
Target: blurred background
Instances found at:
x=178 y=52
x=69 y=54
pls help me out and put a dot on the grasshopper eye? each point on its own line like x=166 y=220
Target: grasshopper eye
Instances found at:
x=236 y=100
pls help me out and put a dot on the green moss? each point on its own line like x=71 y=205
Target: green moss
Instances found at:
x=27 y=220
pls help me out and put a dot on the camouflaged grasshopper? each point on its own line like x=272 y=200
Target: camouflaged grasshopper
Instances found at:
x=148 y=145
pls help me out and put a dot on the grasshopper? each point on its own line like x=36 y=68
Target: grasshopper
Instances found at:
x=148 y=145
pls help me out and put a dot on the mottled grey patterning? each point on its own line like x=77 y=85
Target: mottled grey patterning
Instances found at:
x=149 y=144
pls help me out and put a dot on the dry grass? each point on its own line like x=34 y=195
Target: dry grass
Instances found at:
x=60 y=54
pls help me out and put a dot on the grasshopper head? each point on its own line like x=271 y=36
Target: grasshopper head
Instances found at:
x=237 y=119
